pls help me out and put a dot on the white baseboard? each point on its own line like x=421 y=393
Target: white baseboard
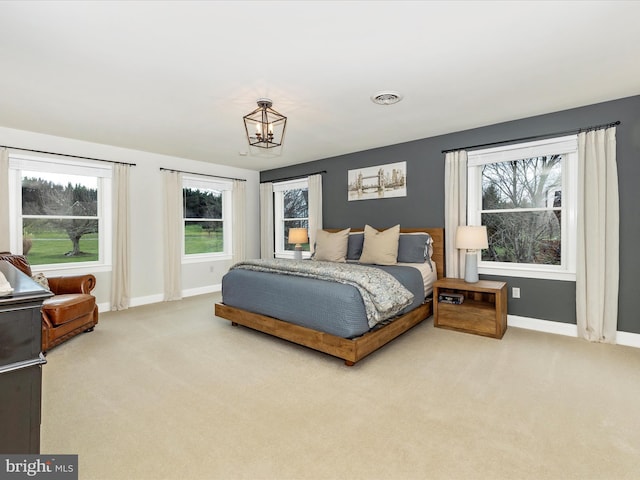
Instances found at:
x=567 y=329
x=628 y=339
x=547 y=326
x=135 y=302
x=139 y=301
x=103 y=307
x=202 y=290
x=149 y=299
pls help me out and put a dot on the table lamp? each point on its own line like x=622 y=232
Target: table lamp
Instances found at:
x=298 y=236
x=471 y=238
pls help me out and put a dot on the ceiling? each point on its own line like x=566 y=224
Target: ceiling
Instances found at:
x=176 y=77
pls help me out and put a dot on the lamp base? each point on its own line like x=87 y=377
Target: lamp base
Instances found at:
x=297 y=252
x=471 y=267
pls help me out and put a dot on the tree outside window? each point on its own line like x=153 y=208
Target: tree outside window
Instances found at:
x=290 y=210
x=203 y=221
x=206 y=212
x=296 y=213
x=522 y=210
x=526 y=196
x=60 y=218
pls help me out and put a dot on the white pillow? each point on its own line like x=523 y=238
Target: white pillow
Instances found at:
x=380 y=248
x=332 y=247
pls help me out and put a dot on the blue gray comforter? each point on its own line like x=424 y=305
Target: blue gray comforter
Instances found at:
x=382 y=294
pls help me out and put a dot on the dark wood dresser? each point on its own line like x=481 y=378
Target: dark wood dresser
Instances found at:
x=20 y=362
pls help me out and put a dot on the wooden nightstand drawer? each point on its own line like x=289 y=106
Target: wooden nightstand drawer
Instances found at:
x=483 y=310
x=467 y=317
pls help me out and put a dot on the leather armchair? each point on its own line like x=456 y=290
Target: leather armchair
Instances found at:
x=72 y=309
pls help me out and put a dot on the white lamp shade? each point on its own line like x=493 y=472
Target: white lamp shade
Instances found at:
x=472 y=237
x=298 y=235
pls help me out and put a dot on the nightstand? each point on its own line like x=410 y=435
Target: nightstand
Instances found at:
x=483 y=310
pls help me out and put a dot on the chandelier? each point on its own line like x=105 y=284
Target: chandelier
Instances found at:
x=264 y=126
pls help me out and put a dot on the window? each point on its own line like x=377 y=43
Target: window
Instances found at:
x=60 y=211
x=526 y=196
x=206 y=214
x=291 y=207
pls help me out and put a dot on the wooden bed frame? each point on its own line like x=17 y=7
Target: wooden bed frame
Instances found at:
x=350 y=350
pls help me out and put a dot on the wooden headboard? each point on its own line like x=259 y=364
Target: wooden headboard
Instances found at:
x=437 y=234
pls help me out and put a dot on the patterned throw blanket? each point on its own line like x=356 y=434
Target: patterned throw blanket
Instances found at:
x=382 y=294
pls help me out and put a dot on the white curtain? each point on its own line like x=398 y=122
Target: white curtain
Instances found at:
x=239 y=220
x=315 y=208
x=5 y=240
x=121 y=273
x=597 y=269
x=172 y=235
x=266 y=220
x=455 y=209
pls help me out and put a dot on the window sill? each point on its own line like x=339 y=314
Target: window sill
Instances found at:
x=305 y=255
x=527 y=273
x=70 y=269
x=203 y=258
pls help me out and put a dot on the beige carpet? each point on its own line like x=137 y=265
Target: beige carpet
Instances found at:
x=168 y=391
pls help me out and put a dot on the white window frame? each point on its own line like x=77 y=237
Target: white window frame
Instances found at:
x=568 y=147
x=226 y=187
x=279 y=190
x=19 y=162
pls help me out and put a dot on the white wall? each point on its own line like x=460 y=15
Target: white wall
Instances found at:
x=146 y=214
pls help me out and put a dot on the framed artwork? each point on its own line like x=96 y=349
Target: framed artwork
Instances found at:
x=382 y=181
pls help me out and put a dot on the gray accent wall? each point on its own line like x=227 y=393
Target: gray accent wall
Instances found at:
x=424 y=203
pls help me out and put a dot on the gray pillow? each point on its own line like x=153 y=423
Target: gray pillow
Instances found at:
x=414 y=248
x=354 y=248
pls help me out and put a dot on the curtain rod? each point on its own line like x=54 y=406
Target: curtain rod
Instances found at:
x=295 y=177
x=202 y=174
x=535 y=137
x=65 y=155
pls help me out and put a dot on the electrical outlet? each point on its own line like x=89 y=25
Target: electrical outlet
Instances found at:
x=515 y=292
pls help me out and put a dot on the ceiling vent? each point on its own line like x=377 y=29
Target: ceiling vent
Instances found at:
x=386 y=98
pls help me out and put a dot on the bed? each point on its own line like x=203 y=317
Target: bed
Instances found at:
x=254 y=297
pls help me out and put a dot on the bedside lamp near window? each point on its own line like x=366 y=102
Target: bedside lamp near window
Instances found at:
x=298 y=236
x=472 y=239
